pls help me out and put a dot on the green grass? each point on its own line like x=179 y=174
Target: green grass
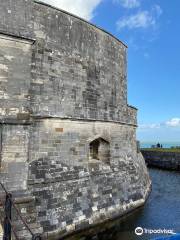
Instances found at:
x=162 y=149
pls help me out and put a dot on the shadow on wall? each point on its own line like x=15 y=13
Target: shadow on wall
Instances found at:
x=100 y=150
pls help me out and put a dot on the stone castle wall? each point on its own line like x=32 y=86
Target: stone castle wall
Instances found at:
x=66 y=50
x=78 y=191
x=162 y=159
x=67 y=135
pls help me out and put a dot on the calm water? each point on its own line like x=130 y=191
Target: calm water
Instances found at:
x=162 y=210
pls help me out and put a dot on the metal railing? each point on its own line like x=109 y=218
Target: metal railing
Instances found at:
x=7 y=225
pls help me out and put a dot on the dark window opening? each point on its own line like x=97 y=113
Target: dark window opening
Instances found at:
x=100 y=150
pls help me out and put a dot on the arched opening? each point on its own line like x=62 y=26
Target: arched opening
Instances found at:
x=100 y=150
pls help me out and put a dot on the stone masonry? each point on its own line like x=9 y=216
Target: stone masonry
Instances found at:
x=68 y=150
x=169 y=160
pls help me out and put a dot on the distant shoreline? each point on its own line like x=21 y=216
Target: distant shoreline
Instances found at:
x=164 y=144
x=165 y=158
x=161 y=149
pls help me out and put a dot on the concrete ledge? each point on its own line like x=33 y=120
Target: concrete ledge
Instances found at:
x=37 y=117
x=18 y=200
x=1 y=232
x=6 y=35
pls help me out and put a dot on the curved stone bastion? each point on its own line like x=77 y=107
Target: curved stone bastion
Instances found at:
x=67 y=135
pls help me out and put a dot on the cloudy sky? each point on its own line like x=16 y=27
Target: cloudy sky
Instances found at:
x=150 y=28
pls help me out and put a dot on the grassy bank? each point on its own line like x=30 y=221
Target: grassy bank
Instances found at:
x=162 y=149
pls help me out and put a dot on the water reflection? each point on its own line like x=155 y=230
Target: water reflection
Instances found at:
x=162 y=211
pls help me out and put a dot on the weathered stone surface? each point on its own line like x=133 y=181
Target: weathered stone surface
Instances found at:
x=167 y=160
x=67 y=134
x=15 y=77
